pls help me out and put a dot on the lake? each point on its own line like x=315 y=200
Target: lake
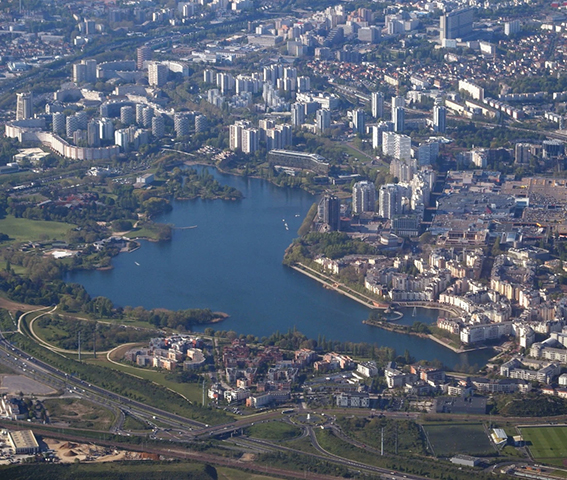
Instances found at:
x=232 y=262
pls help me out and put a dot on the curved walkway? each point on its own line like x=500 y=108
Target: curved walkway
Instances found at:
x=48 y=345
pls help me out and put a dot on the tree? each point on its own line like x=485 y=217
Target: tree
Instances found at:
x=496 y=250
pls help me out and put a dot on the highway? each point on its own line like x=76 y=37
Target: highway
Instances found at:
x=20 y=361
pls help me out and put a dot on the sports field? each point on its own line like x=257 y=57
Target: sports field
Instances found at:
x=547 y=444
x=452 y=439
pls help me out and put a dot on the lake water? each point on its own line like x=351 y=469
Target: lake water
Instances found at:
x=232 y=262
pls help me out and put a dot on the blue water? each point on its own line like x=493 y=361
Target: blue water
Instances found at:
x=232 y=262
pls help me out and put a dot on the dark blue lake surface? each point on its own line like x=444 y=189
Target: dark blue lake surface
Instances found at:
x=232 y=262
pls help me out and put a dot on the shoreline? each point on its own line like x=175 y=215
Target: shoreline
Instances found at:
x=372 y=304
x=430 y=305
x=429 y=336
x=334 y=285
x=192 y=163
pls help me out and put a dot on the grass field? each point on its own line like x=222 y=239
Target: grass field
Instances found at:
x=273 y=431
x=547 y=444
x=142 y=232
x=123 y=470
x=191 y=391
x=23 y=229
x=134 y=424
x=466 y=438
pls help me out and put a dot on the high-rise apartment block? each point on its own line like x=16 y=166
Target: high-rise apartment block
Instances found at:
x=377 y=100
x=297 y=114
x=127 y=115
x=58 y=122
x=323 y=120
x=456 y=24
x=510 y=28
x=522 y=152
x=85 y=71
x=157 y=74
x=398 y=113
x=250 y=139
x=24 y=106
x=396 y=145
x=358 y=121
x=363 y=197
x=158 y=126
x=439 y=118
x=201 y=123
x=181 y=124
x=393 y=199
x=143 y=54
x=329 y=212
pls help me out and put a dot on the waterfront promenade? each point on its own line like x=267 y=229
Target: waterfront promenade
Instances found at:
x=331 y=283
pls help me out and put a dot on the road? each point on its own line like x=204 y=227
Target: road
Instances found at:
x=41 y=371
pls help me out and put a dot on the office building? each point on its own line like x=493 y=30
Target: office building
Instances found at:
x=157 y=74
x=323 y=120
x=24 y=106
x=363 y=197
x=439 y=118
x=358 y=121
x=456 y=24
x=377 y=104
x=143 y=54
x=329 y=212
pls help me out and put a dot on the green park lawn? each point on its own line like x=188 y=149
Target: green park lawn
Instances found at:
x=547 y=444
x=25 y=230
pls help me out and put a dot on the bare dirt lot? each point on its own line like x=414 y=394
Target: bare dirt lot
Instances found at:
x=78 y=413
x=68 y=452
